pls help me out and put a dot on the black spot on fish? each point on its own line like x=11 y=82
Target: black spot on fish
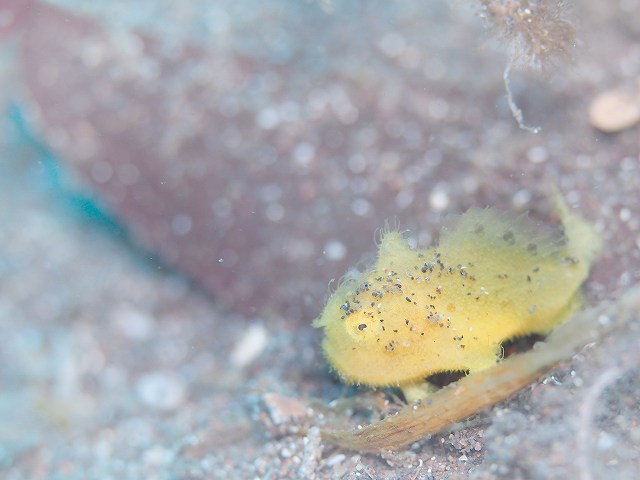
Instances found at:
x=509 y=237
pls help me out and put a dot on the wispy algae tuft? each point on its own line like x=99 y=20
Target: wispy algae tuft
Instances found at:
x=537 y=33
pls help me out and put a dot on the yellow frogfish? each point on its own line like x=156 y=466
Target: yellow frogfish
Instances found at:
x=493 y=277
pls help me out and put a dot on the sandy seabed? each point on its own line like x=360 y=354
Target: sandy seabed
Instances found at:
x=116 y=363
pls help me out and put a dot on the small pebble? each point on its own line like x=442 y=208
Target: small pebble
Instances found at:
x=162 y=391
x=537 y=154
x=625 y=214
x=335 y=459
x=521 y=199
x=605 y=442
x=615 y=110
x=250 y=346
x=158 y=456
x=282 y=408
x=133 y=323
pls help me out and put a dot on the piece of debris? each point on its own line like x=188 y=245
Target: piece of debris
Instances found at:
x=250 y=346
x=285 y=409
x=615 y=110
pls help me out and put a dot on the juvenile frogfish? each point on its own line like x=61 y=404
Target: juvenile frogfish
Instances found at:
x=493 y=277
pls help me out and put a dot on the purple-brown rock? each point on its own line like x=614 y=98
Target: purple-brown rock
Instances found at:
x=259 y=180
x=263 y=164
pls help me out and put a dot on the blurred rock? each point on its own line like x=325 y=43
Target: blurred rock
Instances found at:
x=263 y=174
x=262 y=158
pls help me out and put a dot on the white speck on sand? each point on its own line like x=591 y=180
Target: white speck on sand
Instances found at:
x=162 y=391
x=250 y=346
